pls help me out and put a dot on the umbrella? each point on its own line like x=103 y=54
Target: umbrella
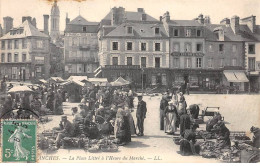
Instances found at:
x=20 y=89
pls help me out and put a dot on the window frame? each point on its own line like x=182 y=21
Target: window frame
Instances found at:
x=253 y=51
x=142 y=47
x=127 y=62
x=219 y=47
x=156 y=44
x=234 y=60
x=129 y=28
x=113 y=45
x=9 y=57
x=198 y=62
x=188 y=62
x=201 y=47
x=112 y=59
x=185 y=46
x=176 y=62
x=3 y=57
x=141 y=64
x=210 y=62
x=156 y=32
x=253 y=64
x=200 y=32
x=188 y=32
x=176 y=30
x=155 y=66
x=24 y=55
x=3 y=44
x=127 y=48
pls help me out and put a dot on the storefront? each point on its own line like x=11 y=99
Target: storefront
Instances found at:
x=197 y=79
x=235 y=78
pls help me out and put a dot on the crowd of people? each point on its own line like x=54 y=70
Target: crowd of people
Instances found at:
x=174 y=114
x=104 y=111
x=39 y=101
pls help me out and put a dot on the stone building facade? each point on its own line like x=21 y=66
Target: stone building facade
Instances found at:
x=135 y=47
x=24 y=54
x=80 y=47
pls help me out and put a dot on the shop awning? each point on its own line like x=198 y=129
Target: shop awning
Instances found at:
x=235 y=76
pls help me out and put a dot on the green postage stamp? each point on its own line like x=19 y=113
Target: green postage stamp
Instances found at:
x=19 y=141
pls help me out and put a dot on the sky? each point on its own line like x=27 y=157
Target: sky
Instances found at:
x=95 y=10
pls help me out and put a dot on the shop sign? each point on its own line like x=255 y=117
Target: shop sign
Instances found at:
x=39 y=60
x=186 y=54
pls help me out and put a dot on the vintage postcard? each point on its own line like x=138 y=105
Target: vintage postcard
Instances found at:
x=130 y=81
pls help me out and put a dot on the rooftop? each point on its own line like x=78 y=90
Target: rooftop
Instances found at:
x=26 y=29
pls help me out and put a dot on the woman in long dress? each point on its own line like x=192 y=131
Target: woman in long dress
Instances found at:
x=131 y=120
x=170 y=119
x=181 y=105
x=16 y=138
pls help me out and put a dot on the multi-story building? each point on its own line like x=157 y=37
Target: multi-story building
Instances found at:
x=252 y=51
x=80 y=47
x=24 y=53
x=135 y=46
x=225 y=54
x=187 y=51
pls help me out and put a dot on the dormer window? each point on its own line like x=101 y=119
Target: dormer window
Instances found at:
x=157 y=31
x=84 y=29
x=143 y=17
x=129 y=30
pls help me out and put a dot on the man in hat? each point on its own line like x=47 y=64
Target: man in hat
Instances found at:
x=163 y=105
x=141 y=115
x=188 y=143
x=256 y=137
x=36 y=104
x=66 y=130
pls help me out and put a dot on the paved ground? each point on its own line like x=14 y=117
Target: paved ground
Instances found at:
x=240 y=113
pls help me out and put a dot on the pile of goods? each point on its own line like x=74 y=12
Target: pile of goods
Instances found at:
x=104 y=145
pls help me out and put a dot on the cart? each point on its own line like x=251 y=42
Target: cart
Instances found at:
x=209 y=113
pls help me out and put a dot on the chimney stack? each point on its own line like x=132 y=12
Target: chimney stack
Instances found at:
x=201 y=19
x=251 y=23
x=235 y=24
x=166 y=17
x=8 y=24
x=225 y=21
x=28 y=18
x=117 y=16
x=34 y=22
x=67 y=19
x=1 y=31
x=140 y=10
x=46 y=24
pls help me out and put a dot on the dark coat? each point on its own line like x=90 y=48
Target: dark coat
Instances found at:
x=141 y=109
x=185 y=123
x=194 y=110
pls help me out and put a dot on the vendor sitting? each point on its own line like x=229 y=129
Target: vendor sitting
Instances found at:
x=256 y=137
x=223 y=140
x=188 y=144
x=77 y=116
x=66 y=130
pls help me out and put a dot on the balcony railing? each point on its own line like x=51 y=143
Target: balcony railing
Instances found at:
x=82 y=59
x=122 y=66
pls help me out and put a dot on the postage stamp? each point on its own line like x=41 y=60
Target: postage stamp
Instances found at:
x=19 y=139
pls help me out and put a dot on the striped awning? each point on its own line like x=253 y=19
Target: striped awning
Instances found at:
x=235 y=76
